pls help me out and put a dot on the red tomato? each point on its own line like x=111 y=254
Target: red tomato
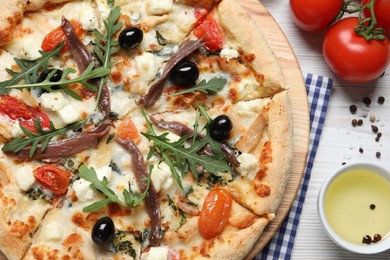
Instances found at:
x=314 y=15
x=200 y=14
x=350 y=56
x=213 y=37
x=53 y=178
x=382 y=14
x=57 y=35
x=127 y=130
x=24 y=114
x=215 y=213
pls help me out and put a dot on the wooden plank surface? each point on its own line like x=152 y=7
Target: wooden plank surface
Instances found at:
x=297 y=92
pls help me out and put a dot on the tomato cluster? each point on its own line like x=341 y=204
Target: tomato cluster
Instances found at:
x=354 y=57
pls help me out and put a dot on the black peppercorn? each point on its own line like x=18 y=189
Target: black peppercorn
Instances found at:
x=372 y=206
x=353 y=109
x=360 y=122
x=367 y=239
x=374 y=128
x=377 y=238
x=354 y=122
x=367 y=101
x=381 y=100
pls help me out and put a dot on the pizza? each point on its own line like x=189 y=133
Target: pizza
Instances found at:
x=138 y=129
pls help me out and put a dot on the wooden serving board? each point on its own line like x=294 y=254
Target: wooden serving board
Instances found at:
x=297 y=92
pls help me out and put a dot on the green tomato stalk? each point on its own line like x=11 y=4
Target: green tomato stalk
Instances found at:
x=366 y=27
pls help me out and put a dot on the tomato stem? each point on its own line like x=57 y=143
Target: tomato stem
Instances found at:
x=366 y=27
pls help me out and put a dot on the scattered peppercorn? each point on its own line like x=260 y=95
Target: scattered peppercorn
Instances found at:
x=379 y=134
x=378 y=154
x=372 y=118
x=372 y=206
x=374 y=128
x=381 y=100
x=377 y=139
x=353 y=109
x=367 y=239
x=360 y=122
x=344 y=163
x=377 y=238
x=354 y=122
x=361 y=150
x=367 y=101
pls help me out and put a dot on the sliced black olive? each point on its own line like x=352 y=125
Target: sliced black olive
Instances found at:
x=130 y=37
x=55 y=78
x=185 y=73
x=220 y=127
x=103 y=230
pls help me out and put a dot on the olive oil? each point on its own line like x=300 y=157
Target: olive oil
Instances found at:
x=357 y=203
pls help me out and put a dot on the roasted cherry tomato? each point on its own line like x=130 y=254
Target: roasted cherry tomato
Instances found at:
x=127 y=130
x=213 y=37
x=314 y=15
x=200 y=14
x=53 y=178
x=57 y=35
x=215 y=213
x=24 y=114
x=382 y=14
x=352 y=57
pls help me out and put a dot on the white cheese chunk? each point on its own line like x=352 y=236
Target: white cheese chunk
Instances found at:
x=156 y=253
x=82 y=190
x=249 y=109
x=249 y=165
x=69 y=114
x=162 y=177
x=146 y=65
x=159 y=7
x=54 y=101
x=24 y=177
x=52 y=231
x=228 y=53
x=104 y=171
x=121 y=104
x=16 y=131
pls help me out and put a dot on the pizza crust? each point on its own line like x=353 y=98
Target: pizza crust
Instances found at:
x=280 y=136
x=251 y=40
x=12 y=12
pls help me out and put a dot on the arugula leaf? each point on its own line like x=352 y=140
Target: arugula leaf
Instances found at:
x=90 y=175
x=110 y=3
x=30 y=69
x=42 y=137
x=213 y=143
x=63 y=83
x=183 y=154
x=180 y=154
x=210 y=87
x=105 y=45
x=164 y=156
x=131 y=200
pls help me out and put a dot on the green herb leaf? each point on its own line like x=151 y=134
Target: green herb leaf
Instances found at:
x=160 y=39
x=42 y=137
x=105 y=45
x=63 y=83
x=30 y=69
x=210 y=87
x=164 y=156
x=179 y=154
x=90 y=175
x=110 y=3
x=131 y=199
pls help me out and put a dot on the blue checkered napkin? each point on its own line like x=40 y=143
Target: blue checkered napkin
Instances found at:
x=318 y=91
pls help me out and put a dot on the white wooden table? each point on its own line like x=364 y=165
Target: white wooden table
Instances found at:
x=340 y=142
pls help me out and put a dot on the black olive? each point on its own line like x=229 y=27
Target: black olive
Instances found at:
x=130 y=37
x=55 y=78
x=220 y=127
x=103 y=230
x=185 y=73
